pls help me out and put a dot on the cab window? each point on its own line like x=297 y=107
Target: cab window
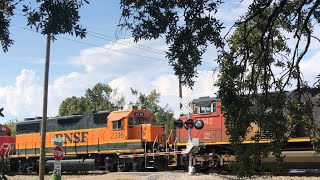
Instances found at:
x=212 y=108
x=117 y=124
x=130 y=121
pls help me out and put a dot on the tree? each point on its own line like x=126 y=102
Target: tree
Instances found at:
x=260 y=65
x=52 y=18
x=100 y=97
x=117 y=101
x=257 y=64
x=163 y=115
x=73 y=105
x=6 y=13
x=188 y=27
x=12 y=125
x=47 y=16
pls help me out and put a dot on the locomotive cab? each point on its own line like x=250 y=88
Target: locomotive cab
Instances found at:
x=208 y=110
x=136 y=124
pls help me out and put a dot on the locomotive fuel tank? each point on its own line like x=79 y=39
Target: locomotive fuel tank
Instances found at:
x=74 y=165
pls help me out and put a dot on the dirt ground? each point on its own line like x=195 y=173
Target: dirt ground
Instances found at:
x=158 y=176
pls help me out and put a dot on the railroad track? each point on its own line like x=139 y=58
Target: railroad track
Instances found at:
x=288 y=174
x=295 y=174
x=64 y=173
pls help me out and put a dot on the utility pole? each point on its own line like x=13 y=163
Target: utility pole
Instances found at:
x=42 y=164
x=180 y=91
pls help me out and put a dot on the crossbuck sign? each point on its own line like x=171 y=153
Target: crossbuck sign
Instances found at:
x=186 y=107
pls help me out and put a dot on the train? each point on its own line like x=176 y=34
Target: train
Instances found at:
x=130 y=139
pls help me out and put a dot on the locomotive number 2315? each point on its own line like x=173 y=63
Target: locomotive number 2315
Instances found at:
x=117 y=135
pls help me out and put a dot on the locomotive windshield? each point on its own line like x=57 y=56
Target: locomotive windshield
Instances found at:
x=204 y=105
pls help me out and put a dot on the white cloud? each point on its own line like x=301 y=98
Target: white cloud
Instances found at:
x=121 y=71
x=310 y=68
x=23 y=97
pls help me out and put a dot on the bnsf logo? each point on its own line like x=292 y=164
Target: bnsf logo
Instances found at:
x=75 y=137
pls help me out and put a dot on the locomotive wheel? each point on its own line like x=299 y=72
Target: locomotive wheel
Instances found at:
x=137 y=166
x=123 y=169
x=113 y=168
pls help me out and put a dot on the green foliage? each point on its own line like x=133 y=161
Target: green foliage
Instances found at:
x=12 y=125
x=6 y=13
x=163 y=115
x=255 y=71
x=56 y=17
x=48 y=16
x=97 y=98
x=73 y=105
x=55 y=177
x=117 y=101
x=188 y=27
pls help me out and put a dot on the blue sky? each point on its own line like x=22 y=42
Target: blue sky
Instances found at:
x=76 y=66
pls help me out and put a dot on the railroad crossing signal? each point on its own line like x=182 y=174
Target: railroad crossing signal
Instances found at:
x=199 y=124
x=189 y=124
x=1 y=112
x=186 y=108
x=178 y=124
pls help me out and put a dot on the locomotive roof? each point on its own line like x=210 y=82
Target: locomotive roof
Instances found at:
x=204 y=101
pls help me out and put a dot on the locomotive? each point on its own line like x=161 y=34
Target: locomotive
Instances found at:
x=92 y=141
x=131 y=139
x=6 y=141
x=216 y=150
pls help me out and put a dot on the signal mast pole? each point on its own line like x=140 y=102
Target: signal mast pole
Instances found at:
x=190 y=167
x=180 y=91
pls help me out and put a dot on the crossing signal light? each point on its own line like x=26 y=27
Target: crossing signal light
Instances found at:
x=189 y=124
x=163 y=127
x=199 y=124
x=178 y=124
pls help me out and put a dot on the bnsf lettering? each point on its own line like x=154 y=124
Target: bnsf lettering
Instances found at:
x=74 y=137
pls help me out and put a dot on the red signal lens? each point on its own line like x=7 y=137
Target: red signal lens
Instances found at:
x=189 y=124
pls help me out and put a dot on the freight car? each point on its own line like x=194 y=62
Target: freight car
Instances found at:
x=92 y=141
x=216 y=150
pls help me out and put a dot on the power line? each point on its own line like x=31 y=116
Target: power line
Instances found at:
x=143 y=47
x=94 y=45
x=116 y=40
x=109 y=49
x=131 y=44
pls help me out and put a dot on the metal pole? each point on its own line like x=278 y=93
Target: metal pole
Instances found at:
x=180 y=91
x=44 y=111
x=190 y=167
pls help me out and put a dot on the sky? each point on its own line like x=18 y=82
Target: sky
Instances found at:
x=78 y=64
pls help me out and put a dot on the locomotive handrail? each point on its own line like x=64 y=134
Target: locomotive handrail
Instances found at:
x=175 y=144
x=167 y=142
x=154 y=143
